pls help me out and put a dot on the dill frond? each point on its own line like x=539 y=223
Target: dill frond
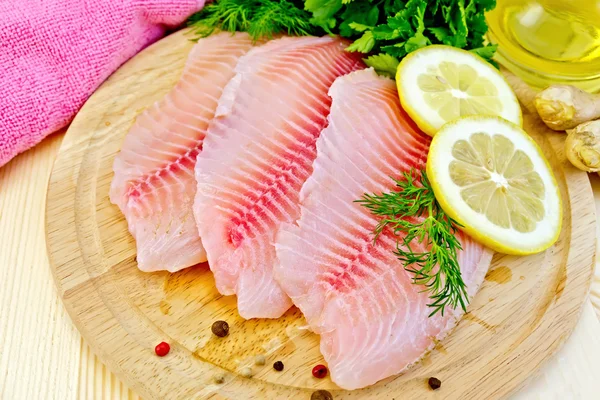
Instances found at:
x=281 y=17
x=260 y=18
x=414 y=215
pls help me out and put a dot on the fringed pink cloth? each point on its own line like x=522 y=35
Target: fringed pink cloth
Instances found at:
x=55 y=53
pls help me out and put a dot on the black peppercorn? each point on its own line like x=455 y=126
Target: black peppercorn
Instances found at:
x=321 y=395
x=434 y=383
x=220 y=328
x=278 y=365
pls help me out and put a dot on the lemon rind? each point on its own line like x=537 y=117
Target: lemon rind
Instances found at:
x=488 y=240
x=416 y=116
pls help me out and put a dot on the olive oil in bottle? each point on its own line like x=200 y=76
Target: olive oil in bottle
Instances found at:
x=549 y=41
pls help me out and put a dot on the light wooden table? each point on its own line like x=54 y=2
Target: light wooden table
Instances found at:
x=42 y=356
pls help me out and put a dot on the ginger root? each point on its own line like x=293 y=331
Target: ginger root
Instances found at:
x=583 y=146
x=563 y=107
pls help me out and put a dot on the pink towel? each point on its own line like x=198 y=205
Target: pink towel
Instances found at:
x=55 y=53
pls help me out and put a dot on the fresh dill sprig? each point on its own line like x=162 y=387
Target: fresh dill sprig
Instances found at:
x=260 y=18
x=414 y=215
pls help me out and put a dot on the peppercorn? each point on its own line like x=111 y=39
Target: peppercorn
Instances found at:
x=220 y=328
x=219 y=378
x=434 y=383
x=278 y=365
x=321 y=395
x=162 y=349
x=260 y=359
x=246 y=372
x=319 y=371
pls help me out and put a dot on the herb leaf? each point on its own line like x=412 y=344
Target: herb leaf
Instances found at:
x=323 y=12
x=415 y=217
x=384 y=64
x=359 y=27
x=440 y=33
x=390 y=27
x=364 y=44
x=486 y=52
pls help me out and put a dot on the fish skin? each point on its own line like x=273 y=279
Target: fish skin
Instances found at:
x=154 y=183
x=372 y=319
x=257 y=154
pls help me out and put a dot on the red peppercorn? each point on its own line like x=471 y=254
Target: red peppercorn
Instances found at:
x=162 y=349
x=319 y=371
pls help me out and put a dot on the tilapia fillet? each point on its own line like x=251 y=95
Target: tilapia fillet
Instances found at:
x=154 y=184
x=257 y=154
x=372 y=319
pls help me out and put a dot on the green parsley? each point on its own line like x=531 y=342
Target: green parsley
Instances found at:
x=414 y=216
x=384 y=64
x=396 y=28
x=384 y=30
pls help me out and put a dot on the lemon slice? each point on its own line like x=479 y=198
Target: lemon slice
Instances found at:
x=492 y=178
x=438 y=84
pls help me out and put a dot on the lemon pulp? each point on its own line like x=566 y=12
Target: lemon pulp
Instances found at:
x=457 y=90
x=498 y=181
x=492 y=178
x=438 y=84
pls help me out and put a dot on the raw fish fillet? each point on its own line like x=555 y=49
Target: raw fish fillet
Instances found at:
x=154 y=184
x=372 y=319
x=257 y=154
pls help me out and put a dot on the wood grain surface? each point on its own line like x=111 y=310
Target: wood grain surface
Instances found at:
x=32 y=368
x=521 y=316
x=42 y=356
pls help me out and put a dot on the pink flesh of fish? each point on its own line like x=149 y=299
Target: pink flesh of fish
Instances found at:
x=154 y=184
x=257 y=154
x=372 y=320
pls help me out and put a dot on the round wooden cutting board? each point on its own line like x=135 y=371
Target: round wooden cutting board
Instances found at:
x=523 y=313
